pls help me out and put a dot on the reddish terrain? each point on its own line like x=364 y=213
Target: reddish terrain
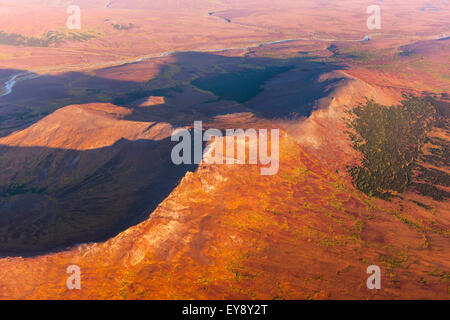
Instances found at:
x=216 y=231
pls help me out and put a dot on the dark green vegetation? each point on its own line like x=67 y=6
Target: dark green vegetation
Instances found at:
x=355 y=55
x=406 y=53
x=123 y=26
x=240 y=86
x=47 y=40
x=16 y=189
x=391 y=140
x=428 y=173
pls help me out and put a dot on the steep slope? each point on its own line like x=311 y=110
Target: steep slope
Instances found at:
x=224 y=231
x=228 y=232
x=81 y=174
x=322 y=133
x=86 y=127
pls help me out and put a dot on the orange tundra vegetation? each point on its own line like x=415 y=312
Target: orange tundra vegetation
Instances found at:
x=302 y=234
x=84 y=152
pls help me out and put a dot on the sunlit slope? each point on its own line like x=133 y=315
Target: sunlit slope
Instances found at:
x=86 y=127
x=81 y=174
x=301 y=234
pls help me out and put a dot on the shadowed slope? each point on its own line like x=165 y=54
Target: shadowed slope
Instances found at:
x=302 y=234
x=81 y=174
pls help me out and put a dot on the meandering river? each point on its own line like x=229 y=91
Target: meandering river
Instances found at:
x=7 y=87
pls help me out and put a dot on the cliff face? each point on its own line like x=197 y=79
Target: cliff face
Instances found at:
x=226 y=232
